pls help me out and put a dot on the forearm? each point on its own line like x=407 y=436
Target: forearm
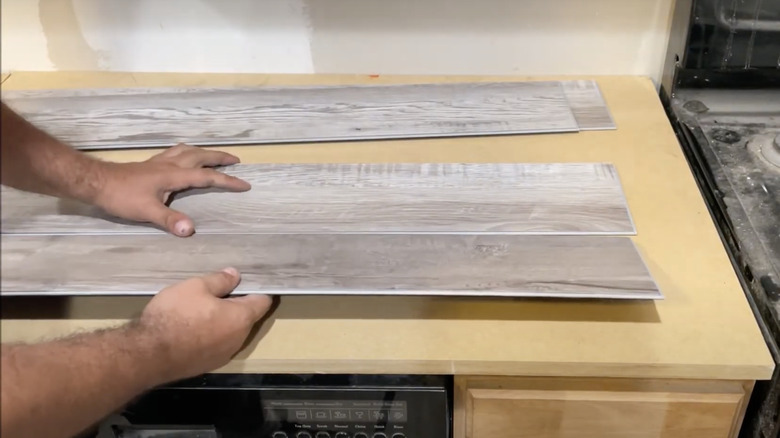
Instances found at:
x=34 y=161
x=60 y=388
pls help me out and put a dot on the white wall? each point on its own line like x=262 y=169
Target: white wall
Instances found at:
x=156 y=35
x=338 y=36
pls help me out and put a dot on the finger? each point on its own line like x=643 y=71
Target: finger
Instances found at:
x=221 y=283
x=202 y=178
x=256 y=305
x=175 y=222
x=202 y=157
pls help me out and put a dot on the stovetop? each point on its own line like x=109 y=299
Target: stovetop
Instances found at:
x=734 y=136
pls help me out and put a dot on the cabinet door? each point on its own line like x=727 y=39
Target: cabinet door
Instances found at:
x=577 y=408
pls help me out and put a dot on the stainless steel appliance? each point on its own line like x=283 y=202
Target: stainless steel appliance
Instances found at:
x=289 y=406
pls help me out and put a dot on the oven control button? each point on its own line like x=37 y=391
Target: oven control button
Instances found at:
x=303 y=435
x=380 y=435
x=322 y=435
x=399 y=435
x=279 y=435
x=361 y=435
x=342 y=435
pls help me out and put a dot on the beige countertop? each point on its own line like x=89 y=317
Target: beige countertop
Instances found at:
x=703 y=329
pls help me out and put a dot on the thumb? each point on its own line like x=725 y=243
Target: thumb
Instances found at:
x=256 y=305
x=221 y=283
x=175 y=222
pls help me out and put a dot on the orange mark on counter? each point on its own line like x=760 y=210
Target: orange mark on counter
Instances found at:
x=373 y=76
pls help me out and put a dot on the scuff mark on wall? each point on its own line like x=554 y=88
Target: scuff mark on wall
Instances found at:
x=68 y=50
x=302 y=8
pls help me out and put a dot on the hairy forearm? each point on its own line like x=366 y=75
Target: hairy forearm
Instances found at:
x=60 y=388
x=34 y=161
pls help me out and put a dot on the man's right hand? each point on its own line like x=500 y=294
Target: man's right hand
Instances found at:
x=197 y=327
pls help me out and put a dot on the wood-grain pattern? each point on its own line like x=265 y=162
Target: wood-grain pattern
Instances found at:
x=468 y=198
x=106 y=119
x=284 y=264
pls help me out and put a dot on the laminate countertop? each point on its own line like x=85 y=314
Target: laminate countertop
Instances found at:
x=703 y=329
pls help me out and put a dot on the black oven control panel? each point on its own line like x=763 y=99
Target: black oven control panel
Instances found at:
x=331 y=418
x=240 y=406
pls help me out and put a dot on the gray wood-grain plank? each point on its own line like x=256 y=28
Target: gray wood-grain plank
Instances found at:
x=465 y=198
x=126 y=118
x=344 y=264
x=588 y=105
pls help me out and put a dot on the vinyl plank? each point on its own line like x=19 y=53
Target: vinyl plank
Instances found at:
x=465 y=198
x=331 y=264
x=128 y=118
x=588 y=105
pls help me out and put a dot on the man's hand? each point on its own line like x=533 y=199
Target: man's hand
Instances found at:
x=34 y=161
x=139 y=191
x=186 y=330
x=197 y=328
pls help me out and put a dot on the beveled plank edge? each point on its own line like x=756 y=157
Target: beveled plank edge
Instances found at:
x=156 y=232
x=362 y=137
x=656 y=295
x=605 y=106
x=625 y=198
x=641 y=257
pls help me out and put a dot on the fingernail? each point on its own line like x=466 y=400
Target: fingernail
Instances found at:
x=183 y=228
x=231 y=271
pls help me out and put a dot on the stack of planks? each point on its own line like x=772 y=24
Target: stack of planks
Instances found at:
x=468 y=229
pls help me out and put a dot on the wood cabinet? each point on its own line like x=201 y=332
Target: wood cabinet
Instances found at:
x=597 y=408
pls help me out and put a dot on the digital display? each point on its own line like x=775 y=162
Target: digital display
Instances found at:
x=334 y=411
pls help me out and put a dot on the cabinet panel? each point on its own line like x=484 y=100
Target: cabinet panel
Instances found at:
x=569 y=408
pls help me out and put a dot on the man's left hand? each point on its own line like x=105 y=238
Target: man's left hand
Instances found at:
x=139 y=191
